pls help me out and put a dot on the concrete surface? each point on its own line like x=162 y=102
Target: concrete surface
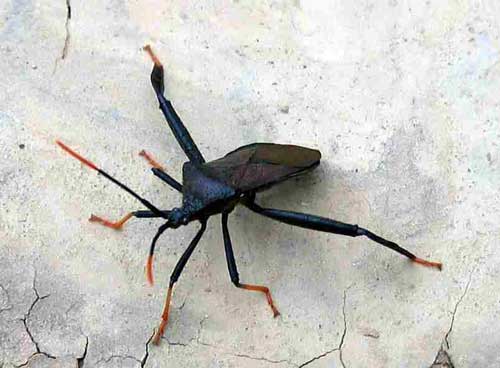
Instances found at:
x=401 y=97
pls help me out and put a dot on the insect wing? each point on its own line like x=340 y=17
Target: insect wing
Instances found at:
x=260 y=165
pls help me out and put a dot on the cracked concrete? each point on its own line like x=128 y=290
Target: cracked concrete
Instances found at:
x=67 y=38
x=446 y=337
x=80 y=362
x=26 y=321
x=443 y=358
x=340 y=345
x=5 y=298
x=401 y=97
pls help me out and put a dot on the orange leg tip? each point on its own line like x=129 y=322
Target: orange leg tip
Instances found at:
x=266 y=291
x=112 y=225
x=149 y=270
x=152 y=55
x=60 y=144
x=159 y=333
x=275 y=310
x=150 y=159
x=425 y=263
x=157 y=338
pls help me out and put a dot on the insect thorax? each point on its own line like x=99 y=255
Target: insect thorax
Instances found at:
x=202 y=191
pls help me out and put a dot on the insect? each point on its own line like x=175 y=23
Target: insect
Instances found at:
x=216 y=187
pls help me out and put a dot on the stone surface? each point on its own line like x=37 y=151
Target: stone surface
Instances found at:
x=401 y=97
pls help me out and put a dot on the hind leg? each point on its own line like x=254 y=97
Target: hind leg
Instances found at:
x=331 y=226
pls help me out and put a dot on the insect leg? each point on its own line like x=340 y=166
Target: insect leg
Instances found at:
x=173 y=279
x=159 y=172
x=331 y=226
x=167 y=179
x=233 y=271
x=117 y=225
x=178 y=129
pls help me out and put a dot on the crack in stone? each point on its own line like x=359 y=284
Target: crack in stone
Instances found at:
x=183 y=304
x=207 y=344
x=80 y=362
x=198 y=334
x=66 y=26
x=8 y=305
x=318 y=357
x=146 y=353
x=117 y=356
x=263 y=359
x=142 y=361
x=25 y=320
x=344 y=333
x=175 y=343
x=73 y=305
x=197 y=340
x=34 y=355
x=67 y=38
x=455 y=311
x=443 y=358
x=38 y=298
x=341 y=343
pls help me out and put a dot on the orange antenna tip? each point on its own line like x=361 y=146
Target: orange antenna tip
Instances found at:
x=152 y=55
x=83 y=160
x=149 y=270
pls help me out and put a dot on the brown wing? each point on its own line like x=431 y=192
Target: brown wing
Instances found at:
x=260 y=165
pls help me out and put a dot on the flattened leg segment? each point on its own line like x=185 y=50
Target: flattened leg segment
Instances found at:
x=174 y=121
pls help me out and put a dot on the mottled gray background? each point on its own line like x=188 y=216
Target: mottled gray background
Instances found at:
x=401 y=97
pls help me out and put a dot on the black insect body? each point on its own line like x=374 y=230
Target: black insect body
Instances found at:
x=216 y=187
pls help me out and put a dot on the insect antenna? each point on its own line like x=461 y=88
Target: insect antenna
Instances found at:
x=149 y=264
x=90 y=164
